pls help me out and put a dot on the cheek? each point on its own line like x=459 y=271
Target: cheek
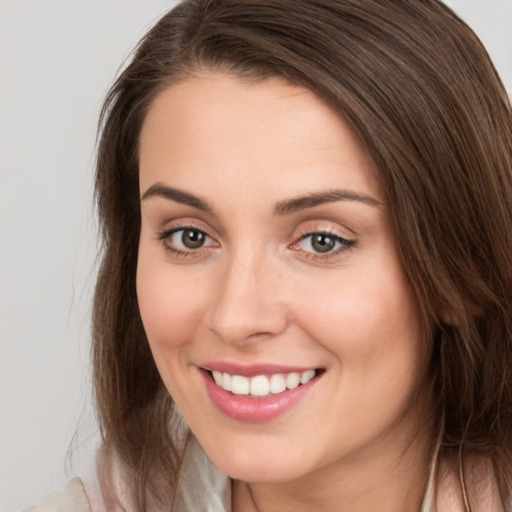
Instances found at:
x=170 y=308
x=371 y=329
x=368 y=321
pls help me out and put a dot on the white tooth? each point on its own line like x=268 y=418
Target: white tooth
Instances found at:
x=226 y=381
x=277 y=383
x=292 y=380
x=239 y=385
x=217 y=377
x=260 y=386
x=307 y=376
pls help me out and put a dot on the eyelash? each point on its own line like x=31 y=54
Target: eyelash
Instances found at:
x=344 y=243
x=164 y=237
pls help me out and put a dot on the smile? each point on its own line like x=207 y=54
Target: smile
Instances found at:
x=257 y=393
x=261 y=385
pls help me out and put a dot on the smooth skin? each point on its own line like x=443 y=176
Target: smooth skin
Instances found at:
x=232 y=269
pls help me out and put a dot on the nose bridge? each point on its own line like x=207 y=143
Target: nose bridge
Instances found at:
x=246 y=304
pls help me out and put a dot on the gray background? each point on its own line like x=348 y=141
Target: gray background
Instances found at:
x=57 y=59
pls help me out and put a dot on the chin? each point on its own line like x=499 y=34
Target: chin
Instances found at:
x=261 y=471
x=257 y=461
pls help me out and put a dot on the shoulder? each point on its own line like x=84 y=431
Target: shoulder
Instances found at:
x=72 y=498
x=480 y=489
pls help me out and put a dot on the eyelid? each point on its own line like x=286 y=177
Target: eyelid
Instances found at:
x=323 y=228
x=169 y=232
x=164 y=237
x=185 y=223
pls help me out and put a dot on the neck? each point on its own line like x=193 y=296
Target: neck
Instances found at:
x=389 y=477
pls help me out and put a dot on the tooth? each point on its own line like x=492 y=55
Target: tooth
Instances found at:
x=292 y=380
x=260 y=386
x=277 y=383
x=239 y=385
x=226 y=381
x=307 y=376
x=217 y=377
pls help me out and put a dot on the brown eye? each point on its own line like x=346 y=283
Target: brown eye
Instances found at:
x=321 y=242
x=324 y=243
x=186 y=240
x=192 y=238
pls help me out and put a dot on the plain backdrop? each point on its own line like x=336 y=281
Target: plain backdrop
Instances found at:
x=57 y=59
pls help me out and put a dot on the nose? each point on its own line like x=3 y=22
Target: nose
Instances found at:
x=248 y=303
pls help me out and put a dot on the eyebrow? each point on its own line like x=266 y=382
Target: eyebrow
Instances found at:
x=319 y=198
x=281 y=208
x=179 y=196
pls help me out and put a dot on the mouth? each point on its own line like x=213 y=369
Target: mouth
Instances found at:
x=264 y=385
x=258 y=392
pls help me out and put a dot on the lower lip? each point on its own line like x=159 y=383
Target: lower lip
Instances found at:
x=243 y=408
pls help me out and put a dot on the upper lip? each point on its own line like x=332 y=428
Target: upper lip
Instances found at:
x=252 y=370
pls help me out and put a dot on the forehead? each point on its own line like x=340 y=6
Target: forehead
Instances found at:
x=216 y=127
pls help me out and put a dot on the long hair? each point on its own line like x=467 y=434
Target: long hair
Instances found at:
x=420 y=92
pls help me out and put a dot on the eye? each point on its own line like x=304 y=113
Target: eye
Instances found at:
x=185 y=240
x=323 y=243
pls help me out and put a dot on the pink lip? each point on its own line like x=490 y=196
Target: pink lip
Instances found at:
x=252 y=370
x=254 y=410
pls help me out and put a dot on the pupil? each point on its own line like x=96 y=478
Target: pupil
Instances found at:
x=323 y=243
x=192 y=239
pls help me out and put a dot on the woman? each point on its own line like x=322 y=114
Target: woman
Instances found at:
x=306 y=209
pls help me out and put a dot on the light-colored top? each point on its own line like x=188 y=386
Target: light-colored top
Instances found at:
x=203 y=488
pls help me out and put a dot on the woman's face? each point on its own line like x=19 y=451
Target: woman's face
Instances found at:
x=266 y=259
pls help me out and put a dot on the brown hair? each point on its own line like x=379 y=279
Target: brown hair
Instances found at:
x=419 y=90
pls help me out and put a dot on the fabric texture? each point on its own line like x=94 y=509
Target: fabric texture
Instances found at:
x=203 y=488
x=72 y=498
